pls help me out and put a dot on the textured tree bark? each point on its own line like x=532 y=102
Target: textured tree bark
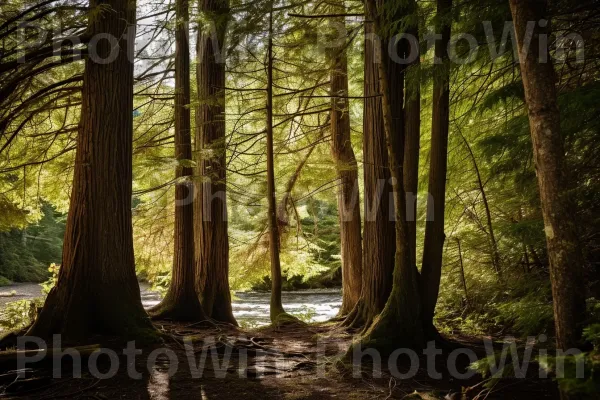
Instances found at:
x=565 y=256
x=347 y=173
x=378 y=230
x=181 y=301
x=431 y=271
x=399 y=324
x=211 y=239
x=97 y=290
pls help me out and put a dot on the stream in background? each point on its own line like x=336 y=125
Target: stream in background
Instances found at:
x=249 y=308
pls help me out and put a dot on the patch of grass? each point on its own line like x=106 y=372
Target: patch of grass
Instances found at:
x=4 y=281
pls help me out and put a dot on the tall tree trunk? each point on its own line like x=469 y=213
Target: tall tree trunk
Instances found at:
x=211 y=235
x=347 y=173
x=399 y=324
x=431 y=271
x=181 y=301
x=277 y=313
x=97 y=291
x=565 y=256
x=412 y=137
x=378 y=231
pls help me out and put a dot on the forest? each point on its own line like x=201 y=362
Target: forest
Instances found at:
x=300 y=199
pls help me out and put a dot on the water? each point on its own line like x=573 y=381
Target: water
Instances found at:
x=19 y=291
x=252 y=308
x=249 y=308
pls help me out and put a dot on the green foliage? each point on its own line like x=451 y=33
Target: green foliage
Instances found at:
x=26 y=254
x=529 y=315
x=161 y=283
x=577 y=374
x=592 y=334
x=490 y=152
x=19 y=314
x=492 y=307
x=305 y=314
x=489 y=367
x=248 y=324
x=51 y=282
x=12 y=215
x=310 y=247
x=588 y=385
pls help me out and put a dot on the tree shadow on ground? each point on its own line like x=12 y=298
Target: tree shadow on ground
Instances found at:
x=298 y=362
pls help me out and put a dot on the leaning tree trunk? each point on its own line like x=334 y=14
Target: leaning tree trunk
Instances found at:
x=495 y=253
x=378 y=231
x=181 y=301
x=212 y=241
x=431 y=271
x=565 y=256
x=97 y=291
x=399 y=324
x=347 y=174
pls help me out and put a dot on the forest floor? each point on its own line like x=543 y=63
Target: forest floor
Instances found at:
x=292 y=362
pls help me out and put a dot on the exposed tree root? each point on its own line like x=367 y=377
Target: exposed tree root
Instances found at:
x=349 y=319
x=177 y=311
x=359 y=318
x=251 y=363
x=9 y=359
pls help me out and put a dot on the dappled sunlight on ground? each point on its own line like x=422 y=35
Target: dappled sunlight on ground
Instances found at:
x=222 y=362
x=158 y=384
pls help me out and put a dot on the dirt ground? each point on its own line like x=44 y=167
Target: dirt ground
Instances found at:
x=293 y=362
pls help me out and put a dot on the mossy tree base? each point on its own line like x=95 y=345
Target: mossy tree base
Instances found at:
x=280 y=318
x=400 y=324
x=385 y=336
